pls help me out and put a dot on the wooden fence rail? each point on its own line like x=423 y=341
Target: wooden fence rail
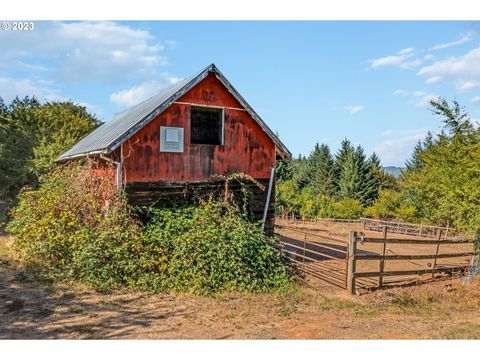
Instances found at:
x=406 y=228
x=406 y=272
x=411 y=257
x=334 y=258
x=399 y=227
x=410 y=241
x=356 y=238
x=321 y=256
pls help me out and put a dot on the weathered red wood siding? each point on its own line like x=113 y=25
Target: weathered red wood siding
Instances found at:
x=246 y=147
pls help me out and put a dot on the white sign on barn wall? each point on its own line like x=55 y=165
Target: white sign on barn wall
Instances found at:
x=171 y=139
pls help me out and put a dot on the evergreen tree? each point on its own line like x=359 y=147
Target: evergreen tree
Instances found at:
x=341 y=157
x=369 y=183
x=377 y=171
x=455 y=118
x=349 y=180
x=283 y=170
x=312 y=164
x=300 y=172
x=320 y=170
x=415 y=162
x=374 y=161
x=357 y=179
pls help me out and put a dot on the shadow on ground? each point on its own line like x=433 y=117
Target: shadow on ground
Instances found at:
x=40 y=310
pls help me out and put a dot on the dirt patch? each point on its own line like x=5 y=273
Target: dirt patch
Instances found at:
x=31 y=308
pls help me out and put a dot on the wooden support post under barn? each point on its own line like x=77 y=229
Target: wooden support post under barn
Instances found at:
x=173 y=146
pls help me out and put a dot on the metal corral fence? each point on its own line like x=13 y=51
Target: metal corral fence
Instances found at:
x=321 y=256
x=296 y=219
x=331 y=226
x=358 y=262
x=343 y=225
x=400 y=227
x=412 y=251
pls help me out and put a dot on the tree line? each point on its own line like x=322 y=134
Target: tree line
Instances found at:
x=439 y=185
x=325 y=185
x=32 y=136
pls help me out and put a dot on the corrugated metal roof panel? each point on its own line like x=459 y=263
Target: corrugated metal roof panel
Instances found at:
x=113 y=133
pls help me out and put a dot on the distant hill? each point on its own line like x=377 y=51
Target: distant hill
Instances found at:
x=393 y=170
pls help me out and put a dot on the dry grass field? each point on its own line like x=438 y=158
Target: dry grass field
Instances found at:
x=33 y=308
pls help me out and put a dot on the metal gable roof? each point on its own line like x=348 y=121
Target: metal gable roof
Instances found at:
x=113 y=133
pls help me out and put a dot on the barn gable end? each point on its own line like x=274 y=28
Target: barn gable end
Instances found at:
x=246 y=149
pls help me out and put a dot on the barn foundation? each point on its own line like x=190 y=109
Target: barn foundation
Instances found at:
x=170 y=194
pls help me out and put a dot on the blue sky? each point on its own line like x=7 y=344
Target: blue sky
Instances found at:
x=310 y=81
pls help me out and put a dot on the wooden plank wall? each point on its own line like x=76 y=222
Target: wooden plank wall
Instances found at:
x=168 y=194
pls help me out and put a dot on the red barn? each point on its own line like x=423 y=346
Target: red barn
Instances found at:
x=176 y=141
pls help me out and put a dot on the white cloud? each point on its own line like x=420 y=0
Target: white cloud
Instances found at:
x=399 y=146
x=475 y=100
x=41 y=89
x=58 y=53
x=402 y=59
x=406 y=51
x=464 y=39
x=12 y=87
x=418 y=93
x=418 y=98
x=469 y=85
x=387 y=60
x=353 y=109
x=136 y=94
x=475 y=122
x=463 y=71
x=434 y=80
x=411 y=64
x=103 y=51
x=172 y=44
x=400 y=92
x=424 y=100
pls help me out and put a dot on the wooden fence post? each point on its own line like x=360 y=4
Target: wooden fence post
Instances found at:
x=436 y=252
x=381 y=266
x=352 y=262
x=304 y=244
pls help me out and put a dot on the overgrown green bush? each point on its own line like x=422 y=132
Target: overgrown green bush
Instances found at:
x=392 y=205
x=211 y=248
x=77 y=227
x=348 y=209
x=309 y=205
